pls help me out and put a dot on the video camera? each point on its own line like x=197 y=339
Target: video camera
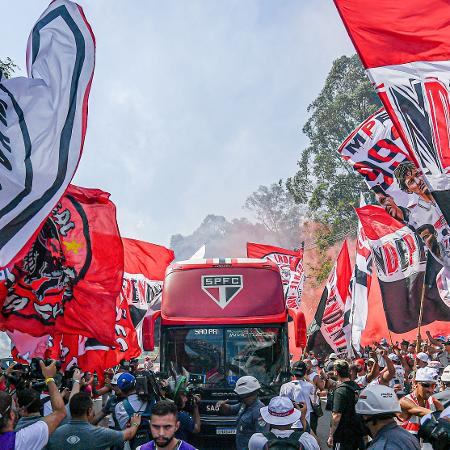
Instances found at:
x=436 y=431
x=148 y=386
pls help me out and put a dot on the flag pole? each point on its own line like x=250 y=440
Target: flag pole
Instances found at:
x=422 y=297
x=419 y=323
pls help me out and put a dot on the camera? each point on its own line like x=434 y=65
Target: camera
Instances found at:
x=436 y=431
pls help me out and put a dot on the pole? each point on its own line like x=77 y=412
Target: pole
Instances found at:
x=419 y=323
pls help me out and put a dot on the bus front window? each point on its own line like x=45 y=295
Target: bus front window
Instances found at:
x=254 y=351
x=197 y=351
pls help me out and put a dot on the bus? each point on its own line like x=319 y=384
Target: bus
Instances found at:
x=221 y=319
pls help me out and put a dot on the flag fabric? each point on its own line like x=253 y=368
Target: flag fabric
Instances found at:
x=400 y=261
x=326 y=333
x=376 y=151
x=290 y=264
x=25 y=347
x=200 y=253
x=69 y=280
x=357 y=306
x=145 y=265
x=405 y=48
x=43 y=120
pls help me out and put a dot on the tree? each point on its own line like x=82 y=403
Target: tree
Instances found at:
x=7 y=67
x=324 y=181
x=276 y=209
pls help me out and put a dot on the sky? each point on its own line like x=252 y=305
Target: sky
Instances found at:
x=194 y=103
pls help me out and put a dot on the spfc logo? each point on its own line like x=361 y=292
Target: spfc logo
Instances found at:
x=222 y=288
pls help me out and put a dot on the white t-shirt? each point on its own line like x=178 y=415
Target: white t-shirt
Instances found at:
x=121 y=414
x=34 y=437
x=300 y=391
x=258 y=441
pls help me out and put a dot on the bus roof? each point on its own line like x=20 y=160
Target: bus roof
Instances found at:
x=223 y=291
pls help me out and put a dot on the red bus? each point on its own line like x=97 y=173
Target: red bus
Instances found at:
x=221 y=319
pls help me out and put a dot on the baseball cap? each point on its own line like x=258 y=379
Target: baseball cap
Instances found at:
x=280 y=411
x=393 y=357
x=446 y=374
x=333 y=356
x=359 y=362
x=246 y=385
x=423 y=357
x=126 y=381
x=426 y=374
x=299 y=368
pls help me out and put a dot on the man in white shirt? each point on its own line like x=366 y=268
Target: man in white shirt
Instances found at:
x=281 y=415
x=34 y=437
x=299 y=390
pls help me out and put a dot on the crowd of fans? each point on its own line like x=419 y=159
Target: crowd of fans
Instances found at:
x=388 y=396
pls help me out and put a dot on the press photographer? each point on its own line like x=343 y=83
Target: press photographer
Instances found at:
x=37 y=434
x=435 y=429
x=187 y=404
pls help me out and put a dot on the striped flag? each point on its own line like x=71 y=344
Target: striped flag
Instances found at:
x=356 y=306
x=405 y=48
x=43 y=120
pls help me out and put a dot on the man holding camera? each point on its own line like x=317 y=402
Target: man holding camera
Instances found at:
x=130 y=405
x=35 y=436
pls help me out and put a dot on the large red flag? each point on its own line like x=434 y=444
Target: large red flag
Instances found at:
x=43 y=120
x=145 y=265
x=405 y=48
x=326 y=331
x=70 y=279
x=290 y=264
x=400 y=262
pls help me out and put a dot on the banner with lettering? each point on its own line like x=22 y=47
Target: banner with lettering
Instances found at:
x=290 y=264
x=410 y=69
x=377 y=153
x=326 y=331
x=43 y=120
x=69 y=280
x=400 y=261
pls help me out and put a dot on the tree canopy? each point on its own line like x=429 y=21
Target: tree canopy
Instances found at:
x=7 y=67
x=324 y=181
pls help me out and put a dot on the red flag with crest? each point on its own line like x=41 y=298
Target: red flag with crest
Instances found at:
x=290 y=264
x=70 y=279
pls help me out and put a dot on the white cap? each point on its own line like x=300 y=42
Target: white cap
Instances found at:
x=426 y=374
x=446 y=374
x=333 y=356
x=423 y=357
x=246 y=385
x=280 y=411
x=394 y=357
x=377 y=399
x=436 y=365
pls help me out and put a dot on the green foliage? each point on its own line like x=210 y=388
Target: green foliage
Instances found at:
x=7 y=67
x=324 y=181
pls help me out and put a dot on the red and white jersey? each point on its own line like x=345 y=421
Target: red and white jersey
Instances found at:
x=413 y=423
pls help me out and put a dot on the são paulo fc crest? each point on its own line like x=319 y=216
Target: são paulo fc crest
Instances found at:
x=222 y=288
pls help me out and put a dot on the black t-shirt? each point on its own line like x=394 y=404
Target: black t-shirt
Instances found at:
x=345 y=398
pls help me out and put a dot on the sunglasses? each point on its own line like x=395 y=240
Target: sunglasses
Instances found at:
x=427 y=385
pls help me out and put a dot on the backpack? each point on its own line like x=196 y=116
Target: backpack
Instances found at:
x=278 y=443
x=350 y=427
x=143 y=434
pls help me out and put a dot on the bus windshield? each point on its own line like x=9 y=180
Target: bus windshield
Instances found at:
x=219 y=356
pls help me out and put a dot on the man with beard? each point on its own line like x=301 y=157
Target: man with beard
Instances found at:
x=163 y=425
x=420 y=402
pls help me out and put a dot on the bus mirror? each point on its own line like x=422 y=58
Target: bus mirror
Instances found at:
x=148 y=331
x=299 y=327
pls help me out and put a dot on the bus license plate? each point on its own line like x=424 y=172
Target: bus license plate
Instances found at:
x=224 y=430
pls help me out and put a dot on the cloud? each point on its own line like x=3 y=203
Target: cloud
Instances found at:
x=195 y=104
